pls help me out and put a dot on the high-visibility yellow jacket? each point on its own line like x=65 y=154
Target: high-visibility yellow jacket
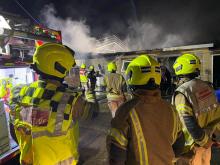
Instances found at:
x=83 y=76
x=198 y=109
x=5 y=86
x=45 y=116
x=115 y=85
x=143 y=131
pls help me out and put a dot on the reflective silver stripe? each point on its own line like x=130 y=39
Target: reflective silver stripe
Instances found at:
x=58 y=122
x=49 y=134
x=119 y=137
x=67 y=161
x=142 y=148
x=60 y=111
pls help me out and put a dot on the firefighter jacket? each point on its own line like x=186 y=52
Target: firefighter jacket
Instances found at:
x=92 y=80
x=198 y=109
x=115 y=86
x=143 y=131
x=5 y=87
x=45 y=117
x=83 y=76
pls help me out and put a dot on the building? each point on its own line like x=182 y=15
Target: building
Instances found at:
x=208 y=54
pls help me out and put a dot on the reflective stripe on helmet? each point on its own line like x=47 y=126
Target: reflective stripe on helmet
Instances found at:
x=142 y=148
x=145 y=69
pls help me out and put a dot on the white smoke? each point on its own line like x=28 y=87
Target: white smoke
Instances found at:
x=144 y=35
x=77 y=35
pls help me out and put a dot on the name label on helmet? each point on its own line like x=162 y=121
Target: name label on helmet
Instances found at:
x=157 y=69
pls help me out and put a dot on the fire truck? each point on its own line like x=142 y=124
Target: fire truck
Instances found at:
x=18 y=39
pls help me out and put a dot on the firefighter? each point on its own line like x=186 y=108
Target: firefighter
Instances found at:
x=45 y=113
x=115 y=88
x=83 y=77
x=90 y=93
x=5 y=87
x=91 y=78
x=146 y=129
x=197 y=107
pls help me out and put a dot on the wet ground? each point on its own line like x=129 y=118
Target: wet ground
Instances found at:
x=92 y=146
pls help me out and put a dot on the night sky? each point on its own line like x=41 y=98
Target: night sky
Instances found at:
x=195 y=21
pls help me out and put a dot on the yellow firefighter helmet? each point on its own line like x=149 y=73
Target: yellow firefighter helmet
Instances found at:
x=91 y=67
x=112 y=67
x=143 y=69
x=53 y=59
x=187 y=64
x=83 y=66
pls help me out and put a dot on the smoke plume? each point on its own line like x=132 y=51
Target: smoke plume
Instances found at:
x=139 y=24
x=145 y=35
x=77 y=34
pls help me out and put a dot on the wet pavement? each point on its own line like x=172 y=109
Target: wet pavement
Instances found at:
x=92 y=146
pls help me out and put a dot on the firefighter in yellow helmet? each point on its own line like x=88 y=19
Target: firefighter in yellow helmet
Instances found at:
x=146 y=129
x=90 y=94
x=91 y=78
x=5 y=87
x=45 y=113
x=83 y=77
x=197 y=106
x=115 y=87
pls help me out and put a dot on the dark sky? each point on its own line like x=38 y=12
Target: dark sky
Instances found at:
x=196 y=20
